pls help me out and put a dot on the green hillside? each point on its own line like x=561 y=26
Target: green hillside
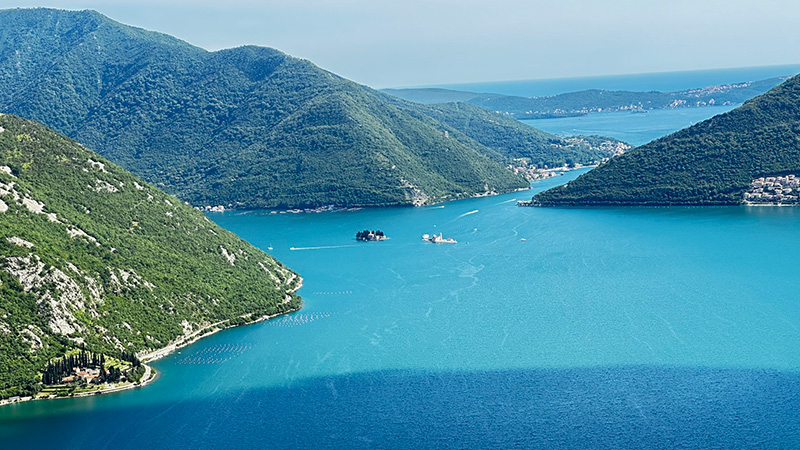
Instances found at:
x=512 y=138
x=711 y=163
x=248 y=127
x=90 y=254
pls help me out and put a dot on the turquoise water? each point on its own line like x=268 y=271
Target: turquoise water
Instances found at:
x=664 y=81
x=633 y=128
x=542 y=328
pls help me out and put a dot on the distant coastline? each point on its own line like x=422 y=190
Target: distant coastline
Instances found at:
x=655 y=81
x=590 y=101
x=535 y=174
x=319 y=209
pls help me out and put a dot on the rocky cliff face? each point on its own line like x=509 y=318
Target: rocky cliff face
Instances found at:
x=91 y=255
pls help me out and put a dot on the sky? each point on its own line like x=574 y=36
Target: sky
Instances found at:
x=383 y=43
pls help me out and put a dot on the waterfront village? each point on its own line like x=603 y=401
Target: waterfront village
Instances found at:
x=782 y=190
x=532 y=172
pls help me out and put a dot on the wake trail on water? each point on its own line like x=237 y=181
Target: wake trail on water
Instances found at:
x=467 y=214
x=321 y=247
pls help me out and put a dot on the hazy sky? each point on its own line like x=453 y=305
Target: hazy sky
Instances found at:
x=416 y=42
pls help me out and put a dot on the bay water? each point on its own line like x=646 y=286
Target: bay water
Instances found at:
x=634 y=128
x=541 y=328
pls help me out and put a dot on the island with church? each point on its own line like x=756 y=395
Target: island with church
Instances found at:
x=369 y=235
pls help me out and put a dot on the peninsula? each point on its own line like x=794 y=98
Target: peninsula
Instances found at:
x=101 y=267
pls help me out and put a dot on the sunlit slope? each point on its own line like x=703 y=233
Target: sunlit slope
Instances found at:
x=91 y=254
x=248 y=127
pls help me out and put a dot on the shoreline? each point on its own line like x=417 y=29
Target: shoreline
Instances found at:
x=151 y=374
x=771 y=204
x=202 y=332
x=336 y=209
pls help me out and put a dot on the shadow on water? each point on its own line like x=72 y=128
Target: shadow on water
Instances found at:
x=594 y=408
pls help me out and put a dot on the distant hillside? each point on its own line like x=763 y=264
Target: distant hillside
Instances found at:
x=512 y=138
x=593 y=100
x=711 y=163
x=90 y=254
x=429 y=96
x=248 y=127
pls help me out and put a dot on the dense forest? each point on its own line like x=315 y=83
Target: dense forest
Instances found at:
x=511 y=138
x=57 y=369
x=248 y=127
x=93 y=257
x=593 y=100
x=710 y=163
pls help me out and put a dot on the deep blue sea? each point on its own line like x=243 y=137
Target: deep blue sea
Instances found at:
x=542 y=328
x=663 y=82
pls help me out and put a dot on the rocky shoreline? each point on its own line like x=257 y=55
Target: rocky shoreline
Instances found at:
x=150 y=374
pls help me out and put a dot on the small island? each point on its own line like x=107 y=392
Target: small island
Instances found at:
x=367 y=235
x=438 y=239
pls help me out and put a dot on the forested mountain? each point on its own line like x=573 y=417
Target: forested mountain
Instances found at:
x=248 y=127
x=712 y=162
x=511 y=138
x=92 y=255
x=593 y=100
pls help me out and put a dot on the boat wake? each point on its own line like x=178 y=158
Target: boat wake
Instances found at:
x=466 y=214
x=321 y=247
